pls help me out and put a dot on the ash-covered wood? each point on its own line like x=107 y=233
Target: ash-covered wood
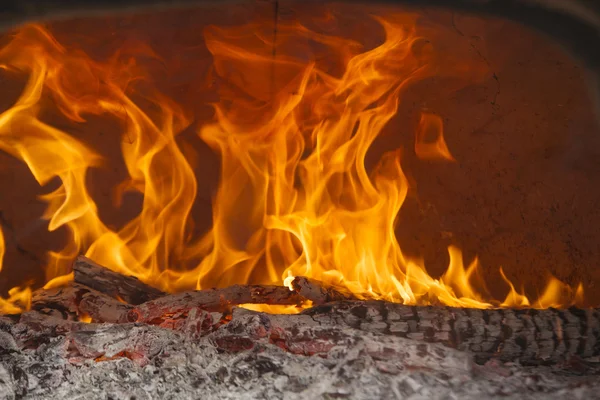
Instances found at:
x=318 y=292
x=59 y=302
x=527 y=336
x=102 y=279
x=261 y=356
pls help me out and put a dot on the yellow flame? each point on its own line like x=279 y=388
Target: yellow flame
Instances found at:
x=292 y=132
x=513 y=298
x=273 y=308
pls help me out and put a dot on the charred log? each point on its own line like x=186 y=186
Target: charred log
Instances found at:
x=318 y=292
x=212 y=300
x=59 y=302
x=531 y=337
x=102 y=279
x=102 y=308
x=526 y=335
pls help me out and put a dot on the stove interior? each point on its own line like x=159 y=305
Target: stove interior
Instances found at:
x=412 y=155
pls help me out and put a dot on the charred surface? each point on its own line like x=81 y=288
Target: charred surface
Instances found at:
x=128 y=288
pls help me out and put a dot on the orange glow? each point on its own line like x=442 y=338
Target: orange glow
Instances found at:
x=513 y=298
x=294 y=198
x=273 y=308
x=19 y=298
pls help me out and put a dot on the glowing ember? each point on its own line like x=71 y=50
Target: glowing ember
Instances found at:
x=85 y=318
x=275 y=309
x=295 y=197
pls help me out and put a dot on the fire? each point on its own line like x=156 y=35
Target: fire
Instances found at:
x=275 y=309
x=295 y=197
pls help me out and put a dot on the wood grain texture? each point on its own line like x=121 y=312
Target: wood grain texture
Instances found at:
x=104 y=280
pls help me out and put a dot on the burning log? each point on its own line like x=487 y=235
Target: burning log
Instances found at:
x=102 y=279
x=105 y=309
x=528 y=336
x=213 y=300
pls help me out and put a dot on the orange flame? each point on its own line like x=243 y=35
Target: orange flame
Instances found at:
x=431 y=127
x=295 y=197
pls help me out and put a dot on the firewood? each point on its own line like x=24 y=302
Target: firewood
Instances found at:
x=60 y=302
x=102 y=279
x=530 y=337
x=526 y=335
x=102 y=308
x=318 y=292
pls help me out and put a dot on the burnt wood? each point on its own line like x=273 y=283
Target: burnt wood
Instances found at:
x=113 y=284
x=102 y=308
x=212 y=300
x=528 y=336
x=60 y=302
x=573 y=23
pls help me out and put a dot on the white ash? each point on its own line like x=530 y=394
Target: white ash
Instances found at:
x=361 y=365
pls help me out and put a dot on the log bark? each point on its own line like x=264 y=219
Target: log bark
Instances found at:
x=102 y=308
x=258 y=355
x=59 y=302
x=529 y=336
x=128 y=288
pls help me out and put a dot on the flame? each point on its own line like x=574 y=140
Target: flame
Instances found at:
x=431 y=127
x=274 y=308
x=292 y=132
x=513 y=298
x=85 y=318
